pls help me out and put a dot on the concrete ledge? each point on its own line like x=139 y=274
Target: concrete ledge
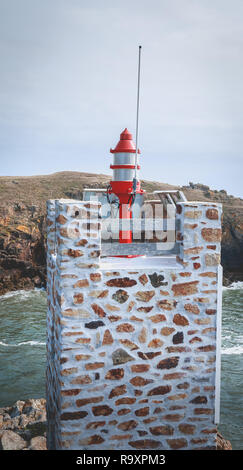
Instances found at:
x=140 y=262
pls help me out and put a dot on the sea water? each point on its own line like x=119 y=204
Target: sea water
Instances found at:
x=23 y=354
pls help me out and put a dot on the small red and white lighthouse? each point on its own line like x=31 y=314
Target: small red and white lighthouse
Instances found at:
x=125 y=183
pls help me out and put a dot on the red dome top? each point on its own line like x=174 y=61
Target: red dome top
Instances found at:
x=125 y=144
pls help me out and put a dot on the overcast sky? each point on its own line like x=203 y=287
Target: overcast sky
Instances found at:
x=68 y=84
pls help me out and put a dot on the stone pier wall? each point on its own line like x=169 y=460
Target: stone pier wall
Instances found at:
x=131 y=352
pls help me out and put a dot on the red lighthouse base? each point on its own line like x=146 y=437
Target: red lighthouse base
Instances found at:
x=125 y=214
x=125 y=190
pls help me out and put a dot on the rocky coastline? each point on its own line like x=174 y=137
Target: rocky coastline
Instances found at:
x=23 y=427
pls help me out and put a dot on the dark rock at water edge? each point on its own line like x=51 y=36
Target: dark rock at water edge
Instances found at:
x=223 y=444
x=23 y=425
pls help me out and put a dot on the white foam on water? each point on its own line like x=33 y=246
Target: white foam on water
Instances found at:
x=24 y=294
x=234 y=286
x=14 y=293
x=233 y=350
x=31 y=343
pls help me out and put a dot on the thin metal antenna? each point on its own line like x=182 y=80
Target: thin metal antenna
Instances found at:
x=138 y=92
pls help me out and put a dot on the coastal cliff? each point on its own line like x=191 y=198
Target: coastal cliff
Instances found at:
x=22 y=223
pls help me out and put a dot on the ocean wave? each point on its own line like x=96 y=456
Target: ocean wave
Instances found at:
x=233 y=350
x=234 y=286
x=24 y=294
x=14 y=345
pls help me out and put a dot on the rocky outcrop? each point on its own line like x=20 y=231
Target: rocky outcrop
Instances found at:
x=22 y=223
x=22 y=248
x=232 y=228
x=223 y=444
x=23 y=427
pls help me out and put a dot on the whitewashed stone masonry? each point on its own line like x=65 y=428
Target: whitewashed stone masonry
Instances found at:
x=131 y=352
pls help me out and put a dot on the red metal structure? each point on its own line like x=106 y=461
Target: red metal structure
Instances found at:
x=125 y=184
